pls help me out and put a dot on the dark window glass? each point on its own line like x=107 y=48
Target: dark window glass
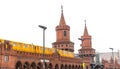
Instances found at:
x=65 y=33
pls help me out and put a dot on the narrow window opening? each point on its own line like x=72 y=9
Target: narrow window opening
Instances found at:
x=65 y=33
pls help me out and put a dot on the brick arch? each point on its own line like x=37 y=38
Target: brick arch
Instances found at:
x=97 y=67
x=26 y=65
x=66 y=66
x=79 y=67
x=62 y=66
x=33 y=65
x=39 y=66
x=18 y=65
x=50 y=66
x=86 y=67
x=69 y=67
x=56 y=66
x=46 y=66
x=73 y=67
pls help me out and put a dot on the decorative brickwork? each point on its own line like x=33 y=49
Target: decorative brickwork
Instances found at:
x=17 y=55
x=63 y=36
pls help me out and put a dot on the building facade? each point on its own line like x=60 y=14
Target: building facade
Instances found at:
x=108 y=60
x=18 y=55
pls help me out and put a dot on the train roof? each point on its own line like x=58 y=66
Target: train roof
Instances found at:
x=26 y=47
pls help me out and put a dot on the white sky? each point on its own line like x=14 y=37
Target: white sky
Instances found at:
x=19 y=20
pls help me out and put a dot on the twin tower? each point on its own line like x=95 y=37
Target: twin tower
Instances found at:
x=63 y=41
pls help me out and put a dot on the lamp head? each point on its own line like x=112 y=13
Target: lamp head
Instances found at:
x=80 y=39
x=111 y=48
x=43 y=27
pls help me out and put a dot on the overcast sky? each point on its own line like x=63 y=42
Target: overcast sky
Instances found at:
x=19 y=20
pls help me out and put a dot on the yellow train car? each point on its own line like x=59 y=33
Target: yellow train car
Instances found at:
x=38 y=49
x=27 y=48
x=64 y=53
x=71 y=54
x=19 y=46
x=14 y=45
x=60 y=52
x=49 y=51
x=2 y=40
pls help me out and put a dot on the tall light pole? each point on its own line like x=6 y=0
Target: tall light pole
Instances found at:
x=112 y=57
x=44 y=28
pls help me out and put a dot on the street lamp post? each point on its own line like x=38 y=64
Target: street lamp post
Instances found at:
x=112 y=57
x=44 y=28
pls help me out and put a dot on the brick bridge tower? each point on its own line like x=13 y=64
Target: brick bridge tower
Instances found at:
x=63 y=36
x=87 y=53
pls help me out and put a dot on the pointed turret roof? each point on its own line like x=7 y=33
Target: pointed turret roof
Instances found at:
x=62 y=20
x=85 y=30
x=62 y=23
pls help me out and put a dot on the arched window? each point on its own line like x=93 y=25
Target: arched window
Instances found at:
x=65 y=33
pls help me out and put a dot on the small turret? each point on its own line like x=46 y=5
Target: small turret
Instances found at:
x=87 y=53
x=63 y=35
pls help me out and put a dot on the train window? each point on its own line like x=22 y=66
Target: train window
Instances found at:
x=1 y=41
x=25 y=46
x=14 y=44
x=20 y=44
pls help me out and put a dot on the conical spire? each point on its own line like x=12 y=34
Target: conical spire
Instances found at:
x=62 y=20
x=85 y=30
